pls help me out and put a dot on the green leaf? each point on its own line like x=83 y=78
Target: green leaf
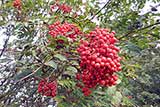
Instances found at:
x=66 y=83
x=51 y=64
x=132 y=47
x=118 y=81
x=85 y=29
x=22 y=74
x=126 y=102
x=62 y=38
x=60 y=57
x=63 y=104
x=73 y=69
x=38 y=73
x=59 y=98
x=74 y=63
x=125 y=91
x=111 y=90
x=117 y=98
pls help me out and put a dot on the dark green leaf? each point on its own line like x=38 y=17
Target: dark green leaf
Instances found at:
x=51 y=64
x=22 y=74
x=60 y=57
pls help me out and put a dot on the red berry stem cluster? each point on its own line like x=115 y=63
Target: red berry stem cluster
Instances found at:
x=47 y=88
x=17 y=4
x=63 y=7
x=99 y=60
x=66 y=29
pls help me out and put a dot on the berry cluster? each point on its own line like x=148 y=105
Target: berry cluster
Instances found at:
x=99 y=60
x=47 y=88
x=63 y=7
x=17 y=4
x=68 y=30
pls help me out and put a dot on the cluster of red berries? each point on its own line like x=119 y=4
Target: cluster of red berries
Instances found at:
x=99 y=60
x=63 y=7
x=47 y=88
x=17 y=4
x=68 y=30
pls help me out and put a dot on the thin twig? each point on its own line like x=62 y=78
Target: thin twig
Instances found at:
x=29 y=74
x=5 y=45
x=107 y=3
x=10 y=50
x=137 y=30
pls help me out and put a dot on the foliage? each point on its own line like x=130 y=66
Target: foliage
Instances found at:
x=33 y=54
x=146 y=85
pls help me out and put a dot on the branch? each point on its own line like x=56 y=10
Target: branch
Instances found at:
x=5 y=45
x=29 y=74
x=10 y=50
x=8 y=33
x=137 y=30
x=74 y=19
x=149 y=26
x=107 y=3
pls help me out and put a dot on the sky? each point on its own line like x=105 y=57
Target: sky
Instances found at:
x=2 y=37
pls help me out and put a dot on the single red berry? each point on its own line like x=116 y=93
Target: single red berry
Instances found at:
x=78 y=76
x=102 y=82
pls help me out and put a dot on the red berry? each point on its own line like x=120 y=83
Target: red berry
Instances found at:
x=69 y=30
x=102 y=64
x=17 y=4
x=78 y=76
x=99 y=60
x=86 y=91
x=102 y=82
x=97 y=65
x=115 y=77
x=93 y=63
